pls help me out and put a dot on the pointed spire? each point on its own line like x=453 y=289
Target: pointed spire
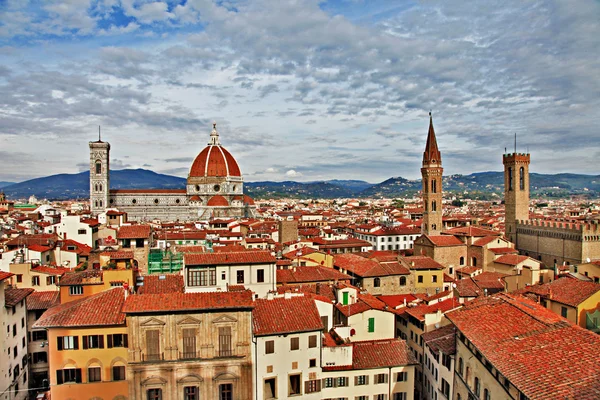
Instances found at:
x=99 y=137
x=214 y=136
x=432 y=153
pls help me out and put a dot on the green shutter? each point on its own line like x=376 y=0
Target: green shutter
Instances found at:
x=371 y=325
x=345 y=298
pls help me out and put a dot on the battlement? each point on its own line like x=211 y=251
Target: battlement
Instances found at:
x=516 y=157
x=591 y=228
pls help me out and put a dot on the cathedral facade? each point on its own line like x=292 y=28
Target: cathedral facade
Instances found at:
x=215 y=188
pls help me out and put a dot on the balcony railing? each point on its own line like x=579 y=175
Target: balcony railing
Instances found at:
x=153 y=357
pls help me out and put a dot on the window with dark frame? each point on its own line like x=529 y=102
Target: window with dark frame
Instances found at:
x=240 y=276
x=94 y=374
x=269 y=347
x=260 y=275
x=294 y=385
x=118 y=372
x=154 y=394
x=294 y=343
x=226 y=391
x=191 y=393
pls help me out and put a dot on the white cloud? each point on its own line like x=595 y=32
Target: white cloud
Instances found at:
x=293 y=174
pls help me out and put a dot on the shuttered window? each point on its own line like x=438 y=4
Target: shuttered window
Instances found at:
x=152 y=343
x=189 y=343
x=225 y=341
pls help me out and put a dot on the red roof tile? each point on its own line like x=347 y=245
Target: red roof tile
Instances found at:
x=101 y=309
x=541 y=353
x=145 y=303
x=571 y=292
x=442 y=339
x=45 y=269
x=42 y=300
x=503 y=250
x=5 y=275
x=381 y=354
x=445 y=240
x=309 y=274
x=238 y=257
x=281 y=315
x=87 y=277
x=510 y=259
x=420 y=311
x=423 y=262
x=134 y=232
x=472 y=231
x=164 y=283
x=13 y=296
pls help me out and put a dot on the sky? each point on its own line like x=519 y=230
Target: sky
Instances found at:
x=300 y=90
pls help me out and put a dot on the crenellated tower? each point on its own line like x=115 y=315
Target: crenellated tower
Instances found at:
x=99 y=176
x=516 y=192
x=431 y=173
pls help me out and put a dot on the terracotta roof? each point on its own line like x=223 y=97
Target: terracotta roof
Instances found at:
x=42 y=300
x=13 y=296
x=571 y=292
x=310 y=274
x=442 y=339
x=38 y=248
x=365 y=267
x=420 y=311
x=528 y=344
x=485 y=240
x=423 y=262
x=364 y=303
x=101 y=309
x=5 y=275
x=134 y=232
x=170 y=302
x=27 y=240
x=87 y=277
x=164 y=283
x=381 y=354
x=510 y=259
x=238 y=257
x=503 y=250
x=217 y=201
x=471 y=231
x=119 y=255
x=396 y=300
x=445 y=240
x=214 y=160
x=467 y=270
x=281 y=315
x=45 y=269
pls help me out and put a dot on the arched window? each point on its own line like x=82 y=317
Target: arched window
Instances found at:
x=474 y=261
x=462 y=261
x=510 y=178
x=100 y=187
x=434 y=206
x=461 y=366
x=486 y=394
x=402 y=281
x=477 y=387
x=522 y=178
x=98 y=167
x=434 y=186
x=96 y=203
x=100 y=203
x=376 y=282
x=96 y=187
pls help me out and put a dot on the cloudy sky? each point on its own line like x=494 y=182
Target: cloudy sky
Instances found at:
x=302 y=90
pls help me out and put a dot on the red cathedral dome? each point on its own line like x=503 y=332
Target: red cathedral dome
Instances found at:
x=217 y=201
x=214 y=160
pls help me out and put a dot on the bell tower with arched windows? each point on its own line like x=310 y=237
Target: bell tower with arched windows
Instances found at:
x=99 y=176
x=432 y=185
x=516 y=192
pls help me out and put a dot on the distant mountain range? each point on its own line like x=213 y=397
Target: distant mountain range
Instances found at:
x=3 y=184
x=483 y=185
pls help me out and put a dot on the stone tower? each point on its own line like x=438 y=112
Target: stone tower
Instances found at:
x=516 y=192
x=432 y=185
x=99 y=176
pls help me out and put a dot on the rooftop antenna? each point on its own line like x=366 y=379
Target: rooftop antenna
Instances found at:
x=99 y=134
